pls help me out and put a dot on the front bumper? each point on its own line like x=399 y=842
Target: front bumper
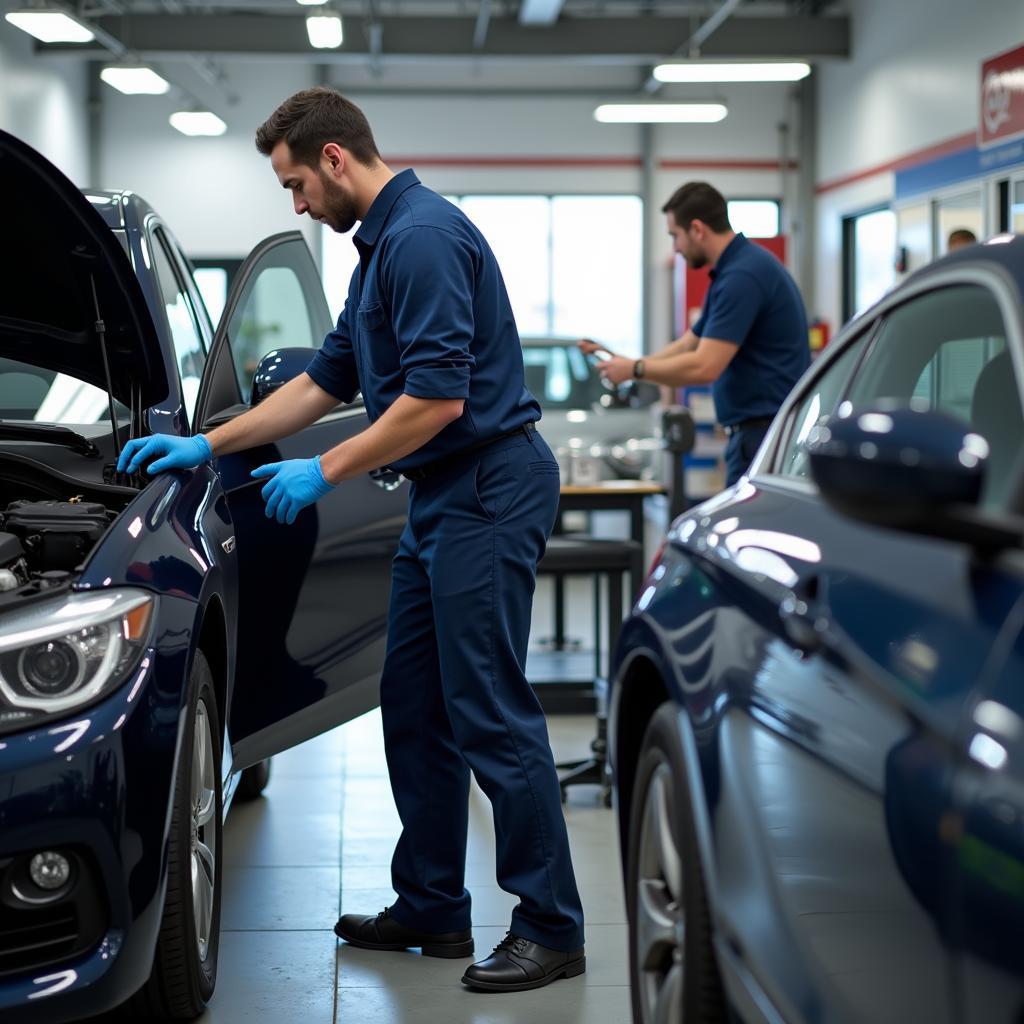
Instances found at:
x=97 y=787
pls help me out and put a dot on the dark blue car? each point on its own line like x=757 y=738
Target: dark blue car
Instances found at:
x=817 y=712
x=158 y=635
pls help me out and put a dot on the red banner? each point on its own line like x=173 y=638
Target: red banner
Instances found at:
x=1002 y=98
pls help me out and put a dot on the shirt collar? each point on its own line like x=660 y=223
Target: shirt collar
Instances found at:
x=377 y=215
x=729 y=252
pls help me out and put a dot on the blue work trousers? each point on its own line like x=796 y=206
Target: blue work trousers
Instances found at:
x=454 y=695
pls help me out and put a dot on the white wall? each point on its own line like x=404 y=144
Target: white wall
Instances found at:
x=41 y=102
x=220 y=197
x=912 y=83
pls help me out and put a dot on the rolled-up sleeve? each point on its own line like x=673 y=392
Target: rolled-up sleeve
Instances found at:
x=429 y=272
x=334 y=366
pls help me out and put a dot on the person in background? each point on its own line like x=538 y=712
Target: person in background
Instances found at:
x=959 y=238
x=750 y=343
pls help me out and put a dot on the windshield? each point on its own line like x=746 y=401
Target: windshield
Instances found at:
x=560 y=376
x=45 y=396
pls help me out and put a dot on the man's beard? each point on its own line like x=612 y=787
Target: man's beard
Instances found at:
x=339 y=208
x=697 y=260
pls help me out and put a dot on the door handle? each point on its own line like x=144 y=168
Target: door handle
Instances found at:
x=804 y=623
x=386 y=478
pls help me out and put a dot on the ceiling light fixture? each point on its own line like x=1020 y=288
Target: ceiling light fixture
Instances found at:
x=197 y=122
x=324 y=31
x=50 y=26
x=660 y=113
x=139 y=81
x=696 y=71
x=312 y=3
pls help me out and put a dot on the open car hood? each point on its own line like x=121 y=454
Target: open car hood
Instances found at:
x=56 y=246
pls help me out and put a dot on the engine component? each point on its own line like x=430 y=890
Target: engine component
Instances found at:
x=55 y=534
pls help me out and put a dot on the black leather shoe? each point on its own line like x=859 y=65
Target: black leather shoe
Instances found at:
x=517 y=964
x=384 y=932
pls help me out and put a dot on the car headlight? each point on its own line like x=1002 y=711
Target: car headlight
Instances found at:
x=61 y=654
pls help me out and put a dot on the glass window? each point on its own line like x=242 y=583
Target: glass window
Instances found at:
x=212 y=283
x=816 y=408
x=189 y=352
x=874 y=257
x=572 y=265
x=947 y=350
x=596 y=270
x=518 y=230
x=274 y=317
x=756 y=218
x=1017 y=208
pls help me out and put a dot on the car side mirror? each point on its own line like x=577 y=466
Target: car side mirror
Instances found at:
x=906 y=468
x=277 y=368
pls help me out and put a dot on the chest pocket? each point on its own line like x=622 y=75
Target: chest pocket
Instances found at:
x=376 y=339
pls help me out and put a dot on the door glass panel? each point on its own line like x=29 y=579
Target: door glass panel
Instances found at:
x=913 y=232
x=189 y=353
x=756 y=218
x=815 y=410
x=276 y=309
x=874 y=251
x=947 y=350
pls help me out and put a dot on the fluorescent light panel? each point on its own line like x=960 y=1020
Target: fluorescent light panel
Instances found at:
x=659 y=113
x=135 y=81
x=312 y=3
x=325 y=32
x=50 y=26
x=198 y=122
x=696 y=71
x=540 y=12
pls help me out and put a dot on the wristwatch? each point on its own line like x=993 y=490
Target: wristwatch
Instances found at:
x=638 y=369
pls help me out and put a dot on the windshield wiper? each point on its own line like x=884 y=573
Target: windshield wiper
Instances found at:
x=47 y=432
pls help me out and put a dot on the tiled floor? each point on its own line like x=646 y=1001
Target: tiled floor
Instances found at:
x=321 y=839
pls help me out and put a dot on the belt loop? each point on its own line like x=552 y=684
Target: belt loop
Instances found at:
x=529 y=432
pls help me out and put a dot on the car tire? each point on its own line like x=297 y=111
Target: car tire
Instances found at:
x=184 y=970
x=673 y=972
x=253 y=781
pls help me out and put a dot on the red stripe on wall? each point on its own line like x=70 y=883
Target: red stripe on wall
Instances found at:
x=629 y=162
x=729 y=165
x=919 y=156
x=515 y=161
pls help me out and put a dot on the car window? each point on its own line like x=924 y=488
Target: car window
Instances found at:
x=273 y=314
x=817 y=406
x=947 y=350
x=189 y=352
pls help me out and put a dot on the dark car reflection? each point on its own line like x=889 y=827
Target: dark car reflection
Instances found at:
x=817 y=717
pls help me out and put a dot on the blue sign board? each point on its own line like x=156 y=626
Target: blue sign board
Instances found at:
x=960 y=166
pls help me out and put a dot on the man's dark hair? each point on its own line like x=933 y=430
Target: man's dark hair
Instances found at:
x=961 y=236
x=310 y=119
x=697 y=200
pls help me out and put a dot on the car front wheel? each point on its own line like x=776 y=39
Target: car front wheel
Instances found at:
x=673 y=973
x=185 y=964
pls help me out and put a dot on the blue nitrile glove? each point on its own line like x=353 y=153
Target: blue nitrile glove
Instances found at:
x=293 y=485
x=177 y=452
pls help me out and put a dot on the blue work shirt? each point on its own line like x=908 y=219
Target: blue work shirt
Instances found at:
x=755 y=304
x=428 y=316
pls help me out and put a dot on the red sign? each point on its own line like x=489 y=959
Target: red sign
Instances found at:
x=1002 y=98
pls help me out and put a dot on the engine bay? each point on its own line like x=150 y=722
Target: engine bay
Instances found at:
x=43 y=542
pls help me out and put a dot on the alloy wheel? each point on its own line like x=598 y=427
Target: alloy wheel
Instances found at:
x=660 y=915
x=203 y=852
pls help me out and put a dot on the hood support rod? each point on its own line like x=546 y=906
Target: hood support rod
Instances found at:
x=101 y=334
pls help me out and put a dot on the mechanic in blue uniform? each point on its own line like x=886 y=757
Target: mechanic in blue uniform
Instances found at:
x=428 y=337
x=750 y=342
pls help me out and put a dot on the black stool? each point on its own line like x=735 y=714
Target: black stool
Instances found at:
x=583 y=555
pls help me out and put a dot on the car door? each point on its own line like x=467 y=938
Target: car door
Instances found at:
x=312 y=596
x=850 y=655
x=987 y=830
